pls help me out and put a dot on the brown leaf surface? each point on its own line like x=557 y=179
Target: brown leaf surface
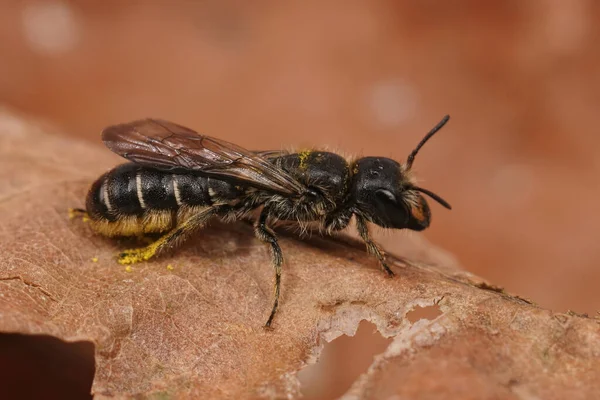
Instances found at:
x=195 y=329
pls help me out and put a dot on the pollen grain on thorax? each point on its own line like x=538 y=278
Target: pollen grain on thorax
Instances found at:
x=303 y=157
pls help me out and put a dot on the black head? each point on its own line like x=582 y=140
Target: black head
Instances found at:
x=384 y=193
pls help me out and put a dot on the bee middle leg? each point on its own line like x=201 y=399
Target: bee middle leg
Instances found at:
x=170 y=239
x=266 y=235
x=372 y=247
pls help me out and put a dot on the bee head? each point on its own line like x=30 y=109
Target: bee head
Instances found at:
x=384 y=193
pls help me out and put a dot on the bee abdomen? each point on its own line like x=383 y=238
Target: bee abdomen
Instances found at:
x=131 y=199
x=115 y=194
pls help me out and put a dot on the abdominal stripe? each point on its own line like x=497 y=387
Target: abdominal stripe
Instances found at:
x=176 y=190
x=139 y=191
x=104 y=194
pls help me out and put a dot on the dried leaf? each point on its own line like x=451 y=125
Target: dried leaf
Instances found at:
x=189 y=324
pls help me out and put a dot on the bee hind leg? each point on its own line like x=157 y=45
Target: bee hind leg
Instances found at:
x=266 y=235
x=372 y=247
x=170 y=239
x=78 y=212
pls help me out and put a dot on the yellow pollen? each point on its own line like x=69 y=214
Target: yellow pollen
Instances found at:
x=303 y=156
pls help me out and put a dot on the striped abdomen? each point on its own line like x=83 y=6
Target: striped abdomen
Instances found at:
x=130 y=199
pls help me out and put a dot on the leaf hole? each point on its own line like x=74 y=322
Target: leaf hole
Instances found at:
x=341 y=362
x=429 y=313
x=45 y=367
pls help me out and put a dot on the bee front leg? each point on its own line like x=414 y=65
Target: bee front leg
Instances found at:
x=337 y=221
x=266 y=235
x=178 y=234
x=372 y=247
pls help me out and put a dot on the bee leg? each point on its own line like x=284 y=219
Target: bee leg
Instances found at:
x=78 y=212
x=372 y=247
x=266 y=235
x=337 y=222
x=181 y=232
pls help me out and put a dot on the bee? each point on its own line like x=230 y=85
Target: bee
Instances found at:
x=178 y=180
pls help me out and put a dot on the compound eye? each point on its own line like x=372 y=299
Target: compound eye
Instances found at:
x=388 y=210
x=386 y=194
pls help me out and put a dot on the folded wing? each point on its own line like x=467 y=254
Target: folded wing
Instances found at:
x=167 y=146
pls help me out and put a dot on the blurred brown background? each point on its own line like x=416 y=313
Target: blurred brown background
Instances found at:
x=521 y=79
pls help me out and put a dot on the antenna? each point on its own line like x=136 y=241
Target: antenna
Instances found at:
x=411 y=157
x=433 y=196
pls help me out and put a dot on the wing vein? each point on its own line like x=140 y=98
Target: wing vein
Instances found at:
x=170 y=147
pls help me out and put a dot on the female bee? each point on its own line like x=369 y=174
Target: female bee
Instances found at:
x=178 y=180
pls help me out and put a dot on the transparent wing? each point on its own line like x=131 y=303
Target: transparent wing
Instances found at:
x=170 y=147
x=270 y=154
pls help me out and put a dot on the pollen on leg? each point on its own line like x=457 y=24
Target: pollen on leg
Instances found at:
x=133 y=256
x=78 y=212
